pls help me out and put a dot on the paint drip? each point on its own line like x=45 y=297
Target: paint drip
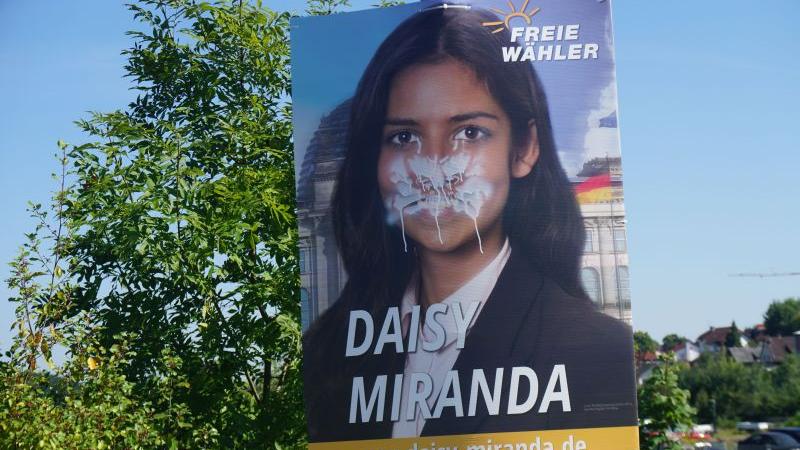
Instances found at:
x=433 y=184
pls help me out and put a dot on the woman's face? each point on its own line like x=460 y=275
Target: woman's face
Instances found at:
x=445 y=161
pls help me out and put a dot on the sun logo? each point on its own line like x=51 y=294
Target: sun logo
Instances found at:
x=508 y=15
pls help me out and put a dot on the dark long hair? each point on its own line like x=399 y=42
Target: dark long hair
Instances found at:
x=541 y=217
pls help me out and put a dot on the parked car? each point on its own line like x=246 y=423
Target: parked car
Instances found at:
x=752 y=426
x=791 y=431
x=769 y=441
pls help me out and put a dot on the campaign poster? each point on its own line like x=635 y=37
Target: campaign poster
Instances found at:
x=463 y=249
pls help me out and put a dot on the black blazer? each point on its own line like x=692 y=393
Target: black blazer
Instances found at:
x=528 y=320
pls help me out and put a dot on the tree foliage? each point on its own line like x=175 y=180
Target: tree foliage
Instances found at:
x=643 y=344
x=734 y=336
x=325 y=7
x=671 y=340
x=663 y=406
x=783 y=317
x=94 y=406
x=166 y=265
x=387 y=3
x=183 y=213
x=743 y=392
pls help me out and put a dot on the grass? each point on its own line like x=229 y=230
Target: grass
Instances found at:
x=730 y=436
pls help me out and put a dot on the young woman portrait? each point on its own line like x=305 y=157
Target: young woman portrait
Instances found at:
x=451 y=194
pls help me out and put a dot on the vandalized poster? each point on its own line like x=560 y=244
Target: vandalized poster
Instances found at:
x=463 y=249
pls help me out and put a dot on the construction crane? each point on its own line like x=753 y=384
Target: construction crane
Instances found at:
x=765 y=274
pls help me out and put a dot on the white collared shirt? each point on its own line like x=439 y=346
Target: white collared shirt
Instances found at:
x=439 y=362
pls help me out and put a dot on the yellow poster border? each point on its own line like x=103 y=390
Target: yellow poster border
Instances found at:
x=607 y=438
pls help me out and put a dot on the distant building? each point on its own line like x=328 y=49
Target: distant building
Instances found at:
x=714 y=339
x=756 y=333
x=746 y=355
x=777 y=348
x=686 y=351
x=605 y=263
x=772 y=350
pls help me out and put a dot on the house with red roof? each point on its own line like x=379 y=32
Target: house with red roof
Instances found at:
x=714 y=339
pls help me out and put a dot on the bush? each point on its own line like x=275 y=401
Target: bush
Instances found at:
x=663 y=407
x=742 y=392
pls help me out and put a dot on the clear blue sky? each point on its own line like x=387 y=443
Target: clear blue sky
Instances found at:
x=708 y=95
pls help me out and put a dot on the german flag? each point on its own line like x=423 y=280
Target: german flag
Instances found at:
x=594 y=189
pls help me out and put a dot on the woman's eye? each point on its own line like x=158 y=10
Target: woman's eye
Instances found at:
x=471 y=134
x=404 y=138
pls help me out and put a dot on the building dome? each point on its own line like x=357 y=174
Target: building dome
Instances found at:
x=324 y=154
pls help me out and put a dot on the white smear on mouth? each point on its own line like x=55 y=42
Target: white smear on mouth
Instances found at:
x=454 y=182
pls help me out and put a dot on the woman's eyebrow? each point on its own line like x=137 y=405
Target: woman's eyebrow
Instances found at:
x=473 y=115
x=401 y=121
x=407 y=122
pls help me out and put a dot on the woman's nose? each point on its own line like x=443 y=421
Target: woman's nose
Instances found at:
x=437 y=169
x=438 y=147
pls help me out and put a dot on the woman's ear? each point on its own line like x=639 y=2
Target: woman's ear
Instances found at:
x=525 y=158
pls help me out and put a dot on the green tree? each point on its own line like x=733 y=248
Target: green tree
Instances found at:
x=743 y=392
x=670 y=341
x=783 y=317
x=325 y=7
x=182 y=216
x=663 y=406
x=87 y=402
x=387 y=3
x=166 y=266
x=642 y=344
x=734 y=336
x=786 y=388
x=794 y=421
x=740 y=391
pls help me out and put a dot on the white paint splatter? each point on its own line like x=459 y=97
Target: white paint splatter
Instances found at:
x=431 y=184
